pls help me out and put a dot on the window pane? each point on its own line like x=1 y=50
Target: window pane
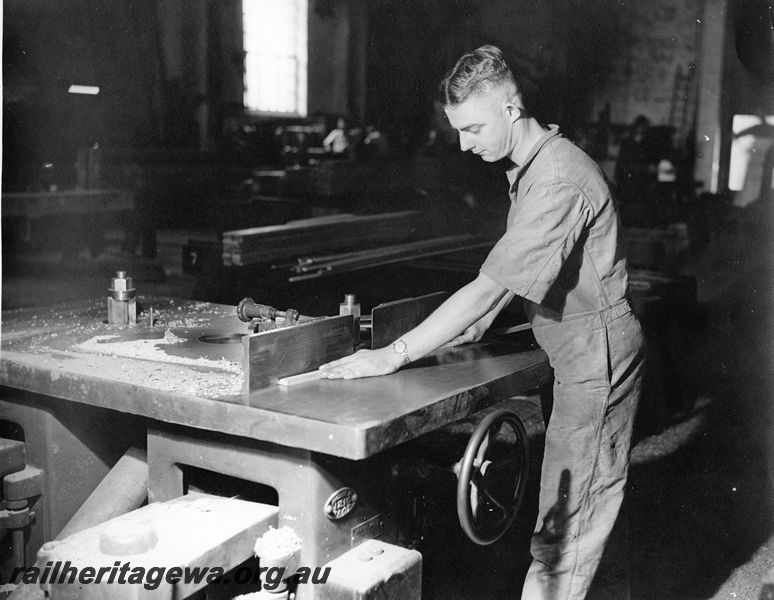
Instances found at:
x=275 y=62
x=271 y=83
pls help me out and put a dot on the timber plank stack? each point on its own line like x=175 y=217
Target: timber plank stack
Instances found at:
x=263 y=245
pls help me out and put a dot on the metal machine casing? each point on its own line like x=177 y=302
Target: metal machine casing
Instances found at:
x=186 y=399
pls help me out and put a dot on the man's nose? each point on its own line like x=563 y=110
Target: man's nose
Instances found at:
x=465 y=142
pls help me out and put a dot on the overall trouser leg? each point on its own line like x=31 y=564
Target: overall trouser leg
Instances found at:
x=597 y=367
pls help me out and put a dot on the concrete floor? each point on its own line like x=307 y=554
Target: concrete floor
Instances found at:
x=701 y=490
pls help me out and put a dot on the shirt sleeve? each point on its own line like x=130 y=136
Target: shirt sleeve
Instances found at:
x=543 y=228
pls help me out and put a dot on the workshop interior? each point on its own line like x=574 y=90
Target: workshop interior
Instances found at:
x=205 y=200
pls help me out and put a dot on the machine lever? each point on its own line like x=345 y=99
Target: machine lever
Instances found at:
x=248 y=309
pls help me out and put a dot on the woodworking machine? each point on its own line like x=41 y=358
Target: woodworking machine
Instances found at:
x=214 y=413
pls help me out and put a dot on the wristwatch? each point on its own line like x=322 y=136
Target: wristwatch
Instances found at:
x=400 y=348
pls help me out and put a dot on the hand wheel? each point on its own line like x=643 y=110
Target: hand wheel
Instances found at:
x=492 y=476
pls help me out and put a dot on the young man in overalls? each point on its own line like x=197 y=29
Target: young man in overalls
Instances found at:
x=563 y=254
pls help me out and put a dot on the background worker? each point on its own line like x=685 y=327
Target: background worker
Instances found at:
x=635 y=167
x=337 y=142
x=563 y=254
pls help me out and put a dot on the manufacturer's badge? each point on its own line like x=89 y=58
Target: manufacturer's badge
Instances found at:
x=340 y=503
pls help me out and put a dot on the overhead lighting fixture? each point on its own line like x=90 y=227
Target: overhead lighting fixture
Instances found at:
x=89 y=90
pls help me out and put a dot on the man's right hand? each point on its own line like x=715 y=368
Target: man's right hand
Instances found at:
x=472 y=334
x=476 y=331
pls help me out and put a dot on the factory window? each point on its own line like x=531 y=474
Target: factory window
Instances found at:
x=751 y=173
x=275 y=36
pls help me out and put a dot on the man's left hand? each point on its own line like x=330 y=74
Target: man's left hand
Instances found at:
x=363 y=363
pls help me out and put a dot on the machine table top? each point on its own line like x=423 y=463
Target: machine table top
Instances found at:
x=165 y=372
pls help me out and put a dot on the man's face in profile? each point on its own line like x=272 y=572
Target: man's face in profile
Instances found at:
x=485 y=125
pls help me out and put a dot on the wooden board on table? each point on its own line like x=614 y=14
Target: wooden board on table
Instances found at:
x=272 y=355
x=392 y=319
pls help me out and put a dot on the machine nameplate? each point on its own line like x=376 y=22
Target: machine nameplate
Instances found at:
x=340 y=503
x=368 y=530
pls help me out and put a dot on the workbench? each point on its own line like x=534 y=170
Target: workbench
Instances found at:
x=69 y=366
x=36 y=205
x=68 y=220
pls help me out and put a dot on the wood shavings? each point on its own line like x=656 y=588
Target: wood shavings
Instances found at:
x=171 y=338
x=204 y=377
x=77 y=345
x=277 y=543
x=151 y=350
x=179 y=380
x=672 y=439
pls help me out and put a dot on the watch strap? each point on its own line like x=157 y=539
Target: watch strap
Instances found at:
x=402 y=353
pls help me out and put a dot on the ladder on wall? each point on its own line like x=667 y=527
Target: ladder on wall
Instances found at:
x=683 y=99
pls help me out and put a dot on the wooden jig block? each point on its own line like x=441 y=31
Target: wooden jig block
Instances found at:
x=273 y=355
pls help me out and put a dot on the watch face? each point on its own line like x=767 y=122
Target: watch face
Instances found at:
x=399 y=346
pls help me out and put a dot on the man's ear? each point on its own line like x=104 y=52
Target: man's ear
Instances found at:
x=514 y=112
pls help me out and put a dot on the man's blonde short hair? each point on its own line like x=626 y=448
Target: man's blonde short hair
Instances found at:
x=475 y=74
